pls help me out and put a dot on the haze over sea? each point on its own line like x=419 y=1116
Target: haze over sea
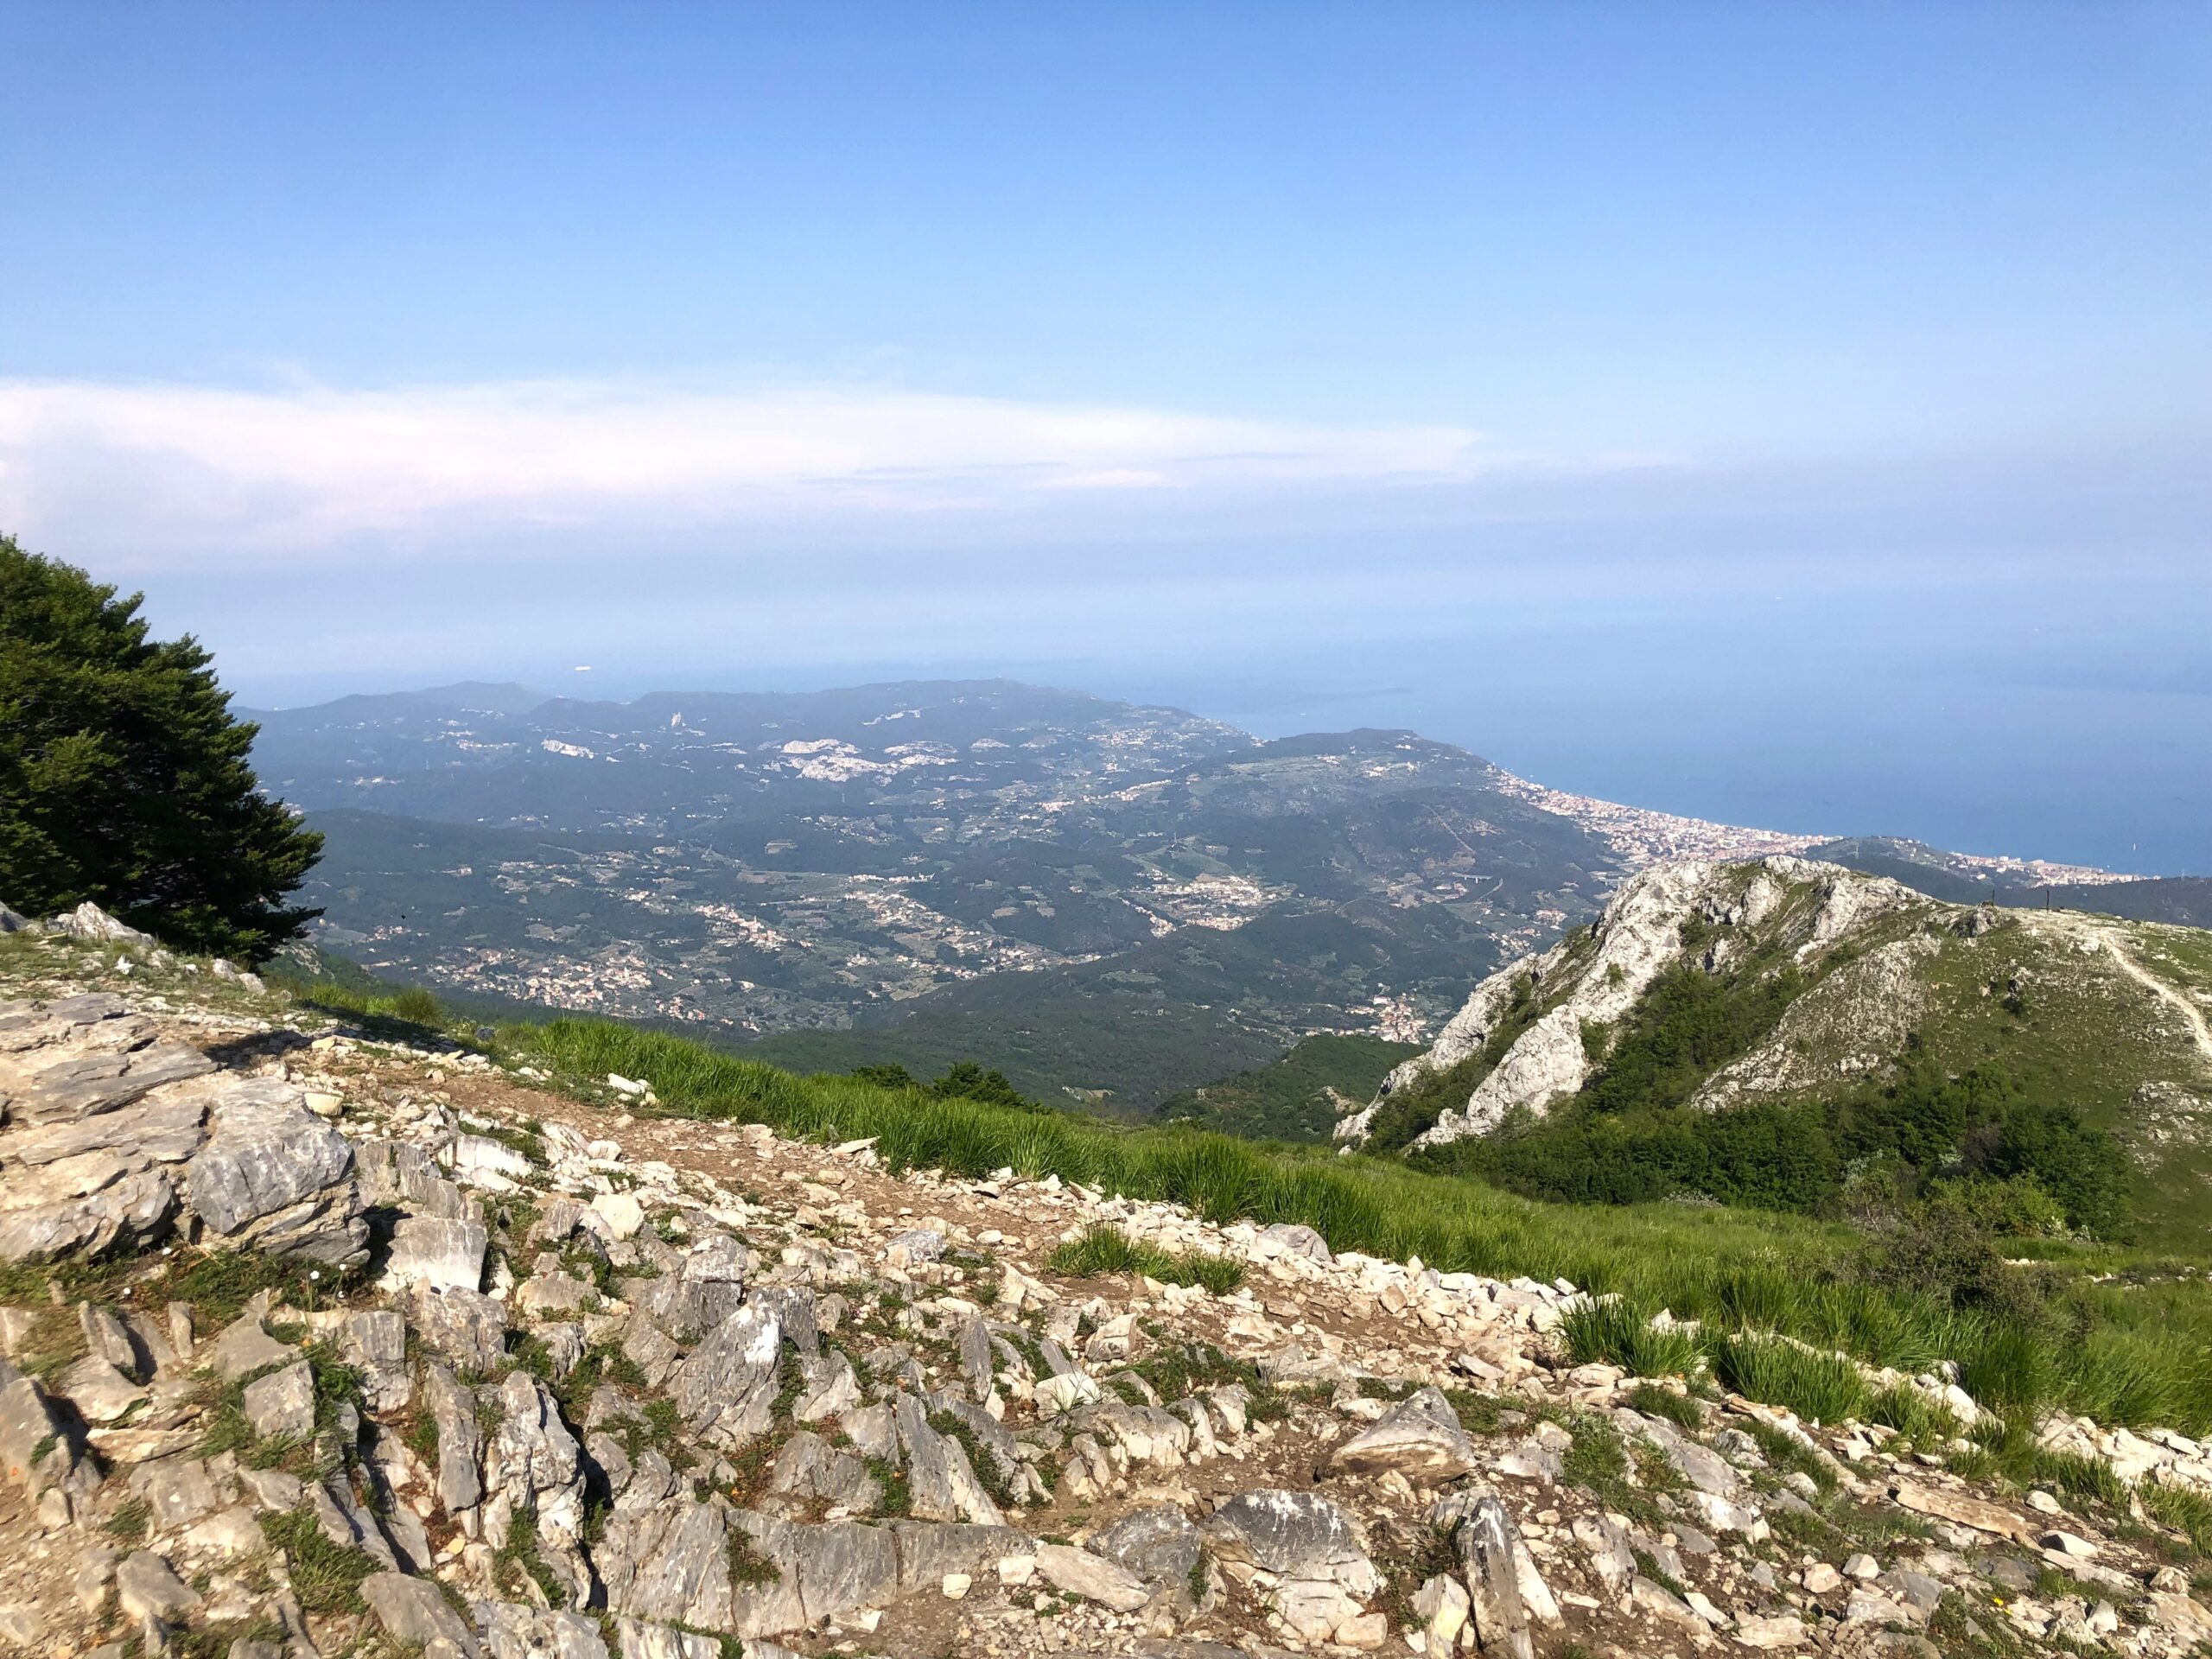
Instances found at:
x=1797 y=416
x=2010 y=720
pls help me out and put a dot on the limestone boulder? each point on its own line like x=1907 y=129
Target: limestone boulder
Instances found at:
x=1421 y=1438
x=274 y=1177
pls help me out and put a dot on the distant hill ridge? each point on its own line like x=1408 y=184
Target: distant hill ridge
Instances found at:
x=1109 y=901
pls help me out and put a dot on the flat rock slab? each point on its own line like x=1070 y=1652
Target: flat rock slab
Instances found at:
x=1957 y=1507
x=281 y=1406
x=1292 y=1535
x=433 y=1251
x=244 y=1347
x=415 y=1610
x=1079 y=1572
x=1421 y=1439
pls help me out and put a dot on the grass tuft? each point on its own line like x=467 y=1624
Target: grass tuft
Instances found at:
x=1107 y=1249
x=325 y=1577
x=1821 y=1388
x=1614 y=1330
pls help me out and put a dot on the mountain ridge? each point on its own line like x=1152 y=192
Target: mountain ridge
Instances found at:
x=1804 y=993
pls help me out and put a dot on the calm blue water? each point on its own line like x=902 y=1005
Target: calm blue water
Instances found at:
x=1988 y=727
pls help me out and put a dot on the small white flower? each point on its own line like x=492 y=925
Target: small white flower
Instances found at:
x=314 y=1274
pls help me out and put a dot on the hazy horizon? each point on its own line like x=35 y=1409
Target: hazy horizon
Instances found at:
x=1797 y=417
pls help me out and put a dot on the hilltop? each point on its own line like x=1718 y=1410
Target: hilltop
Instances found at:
x=1772 y=1031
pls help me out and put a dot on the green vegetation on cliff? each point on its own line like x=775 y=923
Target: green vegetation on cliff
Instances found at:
x=1298 y=1097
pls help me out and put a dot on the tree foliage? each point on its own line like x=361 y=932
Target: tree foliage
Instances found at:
x=963 y=1080
x=124 y=780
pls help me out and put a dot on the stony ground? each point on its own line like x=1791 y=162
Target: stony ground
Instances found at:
x=322 y=1344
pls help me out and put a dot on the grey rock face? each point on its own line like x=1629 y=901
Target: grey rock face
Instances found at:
x=1420 y=1438
x=276 y=1176
x=89 y=922
x=808 y=1466
x=245 y=1347
x=830 y=1389
x=1489 y=1543
x=466 y=1326
x=177 y=1491
x=927 y=1553
x=664 y=1558
x=106 y=1338
x=533 y=1467
x=147 y=1587
x=282 y=1404
x=641 y=1639
x=699 y=1288
x=82 y=1206
x=415 y=1610
x=1159 y=1545
x=347 y=1522
x=820 y=1571
x=514 y=1633
x=1300 y=1241
x=374 y=1342
x=441 y=1252
x=166 y=1129
x=992 y=1437
x=1093 y=1578
x=552 y=1291
x=1292 y=1535
x=99 y=1392
x=1704 y=1468
x=88 y=1084
x=452 y=1411
x=726 y=1389
x=793 y=1306
x=399 y=1173
x=1612 y=1561
x=940 y=1481
x=917 y=1246
x=978 y=1360
x=30 y=1421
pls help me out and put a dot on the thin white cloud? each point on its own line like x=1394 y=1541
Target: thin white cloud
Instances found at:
x=161 y=466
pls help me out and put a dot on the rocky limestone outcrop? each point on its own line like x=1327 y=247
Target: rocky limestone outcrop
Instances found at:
x=113 y=1138
x=781 y=1395
x=1589 y=980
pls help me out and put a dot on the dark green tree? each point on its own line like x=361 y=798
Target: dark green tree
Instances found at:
x=124 y=778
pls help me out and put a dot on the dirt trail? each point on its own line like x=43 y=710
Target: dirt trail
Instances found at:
x=2172 y=995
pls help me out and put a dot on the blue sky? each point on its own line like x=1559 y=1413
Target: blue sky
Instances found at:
x=747 y=342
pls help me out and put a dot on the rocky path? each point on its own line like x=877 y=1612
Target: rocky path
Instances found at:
x=319 y=1345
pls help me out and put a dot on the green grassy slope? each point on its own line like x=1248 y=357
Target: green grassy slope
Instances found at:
x=2123 y=1337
